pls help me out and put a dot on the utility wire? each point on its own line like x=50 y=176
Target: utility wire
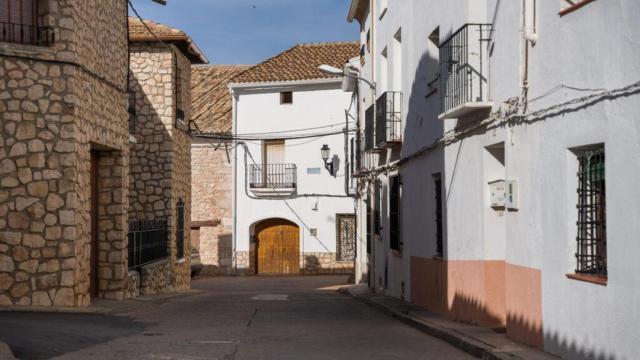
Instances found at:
x=501 y=118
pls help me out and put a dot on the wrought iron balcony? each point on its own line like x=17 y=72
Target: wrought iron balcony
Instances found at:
x=389 y=119
x=26 y=34
x=273 y=178
x=463 y=71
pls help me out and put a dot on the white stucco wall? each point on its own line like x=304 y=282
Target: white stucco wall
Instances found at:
x=314 y=106
x=595 y=47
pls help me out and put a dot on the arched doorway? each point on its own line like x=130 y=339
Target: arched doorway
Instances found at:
x=278 y=247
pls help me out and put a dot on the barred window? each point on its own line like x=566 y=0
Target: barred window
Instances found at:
x=20 y=23
x=369 y=223
x=394 y=213
x=180 y=230
x=377 y=193
x=437 y=181
x=591 y=253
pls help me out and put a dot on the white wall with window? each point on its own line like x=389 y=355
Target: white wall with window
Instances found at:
x=565 y=242
x=292 y=182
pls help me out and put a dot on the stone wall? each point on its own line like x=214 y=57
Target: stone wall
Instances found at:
x=319 y=263
x=311 y=263
x=53 y=115
x=160 y=160
x=212 y=182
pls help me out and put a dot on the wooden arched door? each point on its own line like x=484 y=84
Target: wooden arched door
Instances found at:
x=278 y=247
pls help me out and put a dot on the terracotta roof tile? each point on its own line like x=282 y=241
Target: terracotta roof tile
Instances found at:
x=211 y=101
x=138 y=32
x=301 y=63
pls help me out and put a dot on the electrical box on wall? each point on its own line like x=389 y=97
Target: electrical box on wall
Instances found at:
x=511 y=195
x=497 y=194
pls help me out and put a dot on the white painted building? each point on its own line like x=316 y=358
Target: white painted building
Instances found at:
x=517 y=152
x=291 y=214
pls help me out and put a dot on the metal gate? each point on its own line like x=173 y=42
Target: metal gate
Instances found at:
x=346 y=237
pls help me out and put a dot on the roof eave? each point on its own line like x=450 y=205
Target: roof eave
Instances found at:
x=357 y=10
x=279 y=84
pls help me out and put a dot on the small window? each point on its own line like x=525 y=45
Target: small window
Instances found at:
x=368 y=41
x=591 y=251
x=180 y=230
x=286 y=97
x=377 y=193
x=394 y=213
x=567 y=6
x=437 y=182
x=369 y=223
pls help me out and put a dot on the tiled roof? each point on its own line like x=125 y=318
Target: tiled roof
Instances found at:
x=138 y=32
x=211 y=101
x=301 y=63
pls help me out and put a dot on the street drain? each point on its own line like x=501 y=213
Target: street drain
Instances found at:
x=271 y=297
x=215 y=342
x=152 y=334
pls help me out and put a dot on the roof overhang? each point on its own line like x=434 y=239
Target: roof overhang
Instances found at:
x=184 y=43
x=358 y=10
x=284 y=84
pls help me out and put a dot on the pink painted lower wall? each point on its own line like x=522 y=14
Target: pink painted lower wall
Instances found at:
x=524 y=305
x=489 y=293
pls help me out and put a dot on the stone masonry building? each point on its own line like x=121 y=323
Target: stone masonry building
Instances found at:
x=63 y=153
x=160 y=163
x=212 y=172
x=81 y=174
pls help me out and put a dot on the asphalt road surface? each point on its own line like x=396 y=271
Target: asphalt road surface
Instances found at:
x=233 y=318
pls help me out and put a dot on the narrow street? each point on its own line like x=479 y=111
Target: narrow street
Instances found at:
x=233 y=318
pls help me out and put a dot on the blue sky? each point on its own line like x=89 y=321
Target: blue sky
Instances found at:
x=250 y=31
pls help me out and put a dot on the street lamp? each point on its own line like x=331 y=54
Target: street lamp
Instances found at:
x=325 y=152
x=332 y=70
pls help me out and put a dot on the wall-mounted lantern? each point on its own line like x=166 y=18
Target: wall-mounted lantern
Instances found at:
x=325 y=152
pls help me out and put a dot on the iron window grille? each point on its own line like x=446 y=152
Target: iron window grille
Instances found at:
x=463 y=60
x=346 y=233
x=439 y=235
x=377 y=194
x=148 y=242
x=388 y=119
x=394 y=213
x=369 y=223
x=180 y=230
x=19 y=23
x=591 y=239
x=369 y=129
x=278 y=176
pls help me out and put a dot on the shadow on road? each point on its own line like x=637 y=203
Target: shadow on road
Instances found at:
x=34 y=336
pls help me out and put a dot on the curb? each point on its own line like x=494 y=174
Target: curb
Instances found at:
x=468 y=345
x=5 y=352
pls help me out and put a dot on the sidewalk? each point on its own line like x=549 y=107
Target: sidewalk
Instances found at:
x=100 y=306
x=478 y=341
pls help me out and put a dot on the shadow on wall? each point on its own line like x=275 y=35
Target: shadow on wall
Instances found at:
x=432 y=284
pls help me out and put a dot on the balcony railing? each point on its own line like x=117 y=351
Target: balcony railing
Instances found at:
x=389 y=119
x=463 y=71
x=273 y=176
x=148 y=242
x=26 y=34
